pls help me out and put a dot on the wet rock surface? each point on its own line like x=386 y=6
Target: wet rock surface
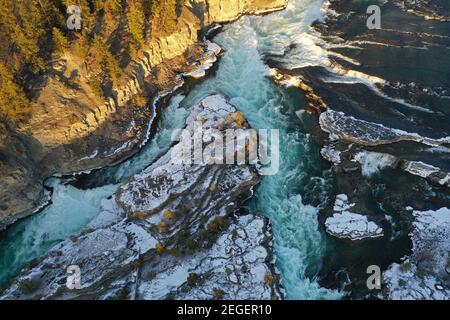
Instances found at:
x=368 y=133
x=382 y=130
x=378 y=189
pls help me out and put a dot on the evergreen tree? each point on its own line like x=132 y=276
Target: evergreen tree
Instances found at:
x=13 y=103
x=60 y=43
x=115 y=6
x=21 y=22
x=110 y=67
x=136 y=21
x=52 y=15
x=164 y=15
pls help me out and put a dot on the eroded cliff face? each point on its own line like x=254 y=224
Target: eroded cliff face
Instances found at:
x=161 y=49
x=72 y=130
x=218 y=11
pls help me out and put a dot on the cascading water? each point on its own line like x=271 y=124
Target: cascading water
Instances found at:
x=242 y=76
x=72 y=209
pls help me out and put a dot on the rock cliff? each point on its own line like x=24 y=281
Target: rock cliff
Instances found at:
x=71 y=129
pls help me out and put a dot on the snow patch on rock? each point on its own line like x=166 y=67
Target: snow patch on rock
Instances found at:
x=424 y=275
x=331 y=154
x=373 y=162
x=234 y=266
x=349 y=225
x=206 y=62
x=352 y=226
x=420 y=169
x=370 y=133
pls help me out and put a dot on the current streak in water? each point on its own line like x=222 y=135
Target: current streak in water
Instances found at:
x=242 y=77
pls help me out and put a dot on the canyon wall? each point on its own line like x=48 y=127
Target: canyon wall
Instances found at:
x=72 y=130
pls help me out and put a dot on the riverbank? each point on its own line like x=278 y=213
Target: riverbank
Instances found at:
x=92 y=133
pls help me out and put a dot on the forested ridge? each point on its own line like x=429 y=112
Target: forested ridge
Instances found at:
x=34 y=34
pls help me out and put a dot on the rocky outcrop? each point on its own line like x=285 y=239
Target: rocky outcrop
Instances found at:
x=348 y=225
x=158 y=50
x=170 y=232
x=220 y=11
x=236 y=267
x=371 y=162
x=18 y=192
x=352 y=226
x=425 y=275
x=283 y=78
x=368 y=133
x=429 y=172
x=435 y=10
x=72 y=130
x=377 y=123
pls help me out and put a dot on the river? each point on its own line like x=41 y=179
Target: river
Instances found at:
x=242 y=76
